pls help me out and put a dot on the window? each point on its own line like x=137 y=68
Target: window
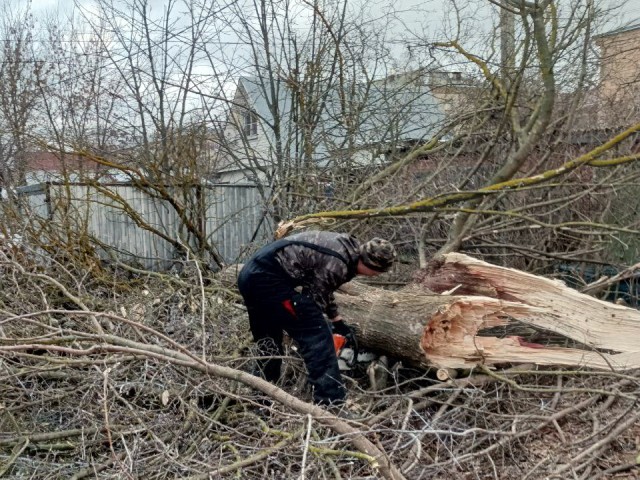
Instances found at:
x=249 y=123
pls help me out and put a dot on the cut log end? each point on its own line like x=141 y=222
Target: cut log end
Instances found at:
x=444 y=374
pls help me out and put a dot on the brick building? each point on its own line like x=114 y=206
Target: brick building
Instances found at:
x=619 y=86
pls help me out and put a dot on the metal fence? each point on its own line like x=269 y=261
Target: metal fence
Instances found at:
x=232 y=217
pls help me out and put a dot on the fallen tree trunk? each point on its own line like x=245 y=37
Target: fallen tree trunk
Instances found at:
x=497 y=316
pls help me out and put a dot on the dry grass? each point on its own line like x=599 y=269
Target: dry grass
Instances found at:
x=105 y=374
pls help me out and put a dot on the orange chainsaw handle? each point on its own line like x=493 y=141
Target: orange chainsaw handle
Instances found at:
x=339 y=342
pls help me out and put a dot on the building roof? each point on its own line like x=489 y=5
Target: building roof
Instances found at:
x=402 y=109
x=635 y=25
x=54 y=162
x=44 y=166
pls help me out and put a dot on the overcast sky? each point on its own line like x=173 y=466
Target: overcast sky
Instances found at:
x=428 y=24
x=629 y=9
x=426 y=19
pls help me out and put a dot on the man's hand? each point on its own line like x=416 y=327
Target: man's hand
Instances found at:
x=338 y=326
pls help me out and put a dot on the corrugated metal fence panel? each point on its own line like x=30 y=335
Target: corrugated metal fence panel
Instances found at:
x=35 y=200
x=115 y=227
x=236 y=219
x=103 y=217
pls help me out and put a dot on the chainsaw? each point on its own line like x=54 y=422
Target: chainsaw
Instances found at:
x=348 y=353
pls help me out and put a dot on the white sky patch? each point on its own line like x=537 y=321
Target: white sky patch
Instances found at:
x=427 y=17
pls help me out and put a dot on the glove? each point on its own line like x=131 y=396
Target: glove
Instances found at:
x=341 y=328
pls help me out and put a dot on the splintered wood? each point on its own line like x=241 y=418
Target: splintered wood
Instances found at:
x=497 y=315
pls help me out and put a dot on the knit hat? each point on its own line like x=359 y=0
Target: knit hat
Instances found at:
x=378 y=254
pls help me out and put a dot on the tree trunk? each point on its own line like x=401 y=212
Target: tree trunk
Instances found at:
x=498 y=315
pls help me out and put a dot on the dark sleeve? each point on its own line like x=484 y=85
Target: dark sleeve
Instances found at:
x=331 y=309
x=319 y=271
x=328 y=279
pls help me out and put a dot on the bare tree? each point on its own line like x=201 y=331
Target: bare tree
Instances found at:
x=20 y=69
x=317 y=100
x=134 y=108
x=302 y=101
x=525 y=112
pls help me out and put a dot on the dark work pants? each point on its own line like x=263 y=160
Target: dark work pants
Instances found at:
x=273 y=306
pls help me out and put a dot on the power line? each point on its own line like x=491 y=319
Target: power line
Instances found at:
x=39 y=40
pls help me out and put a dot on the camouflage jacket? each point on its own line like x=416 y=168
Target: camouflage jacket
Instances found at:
x=320 y=272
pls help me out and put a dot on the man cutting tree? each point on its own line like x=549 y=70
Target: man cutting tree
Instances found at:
x=288 y=285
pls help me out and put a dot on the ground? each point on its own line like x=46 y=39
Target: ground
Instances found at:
x=127 y=402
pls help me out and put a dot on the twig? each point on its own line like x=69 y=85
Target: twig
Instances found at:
x=542 y=461
x=15 y=453
x=586 y=373
x=497 y=444
x=94 y=469
x=45 y=437
x=306 y=448
x=65 y=291
x=618 y=469
x=105 y=408
x=471 y=381
x=202 y=298
x=246 y=461
x=600 y=444
x=202 y=311
x=381 y=461
x=415 y=452
x=523 y=388
x=405 y=421
x=556 y=396
x=602 y=283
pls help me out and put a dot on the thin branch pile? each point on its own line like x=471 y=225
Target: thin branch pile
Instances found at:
x=146 y=376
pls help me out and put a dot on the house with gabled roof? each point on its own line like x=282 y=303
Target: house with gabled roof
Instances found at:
x=272 y=124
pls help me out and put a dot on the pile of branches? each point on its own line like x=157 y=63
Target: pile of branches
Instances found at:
x=115 y=373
